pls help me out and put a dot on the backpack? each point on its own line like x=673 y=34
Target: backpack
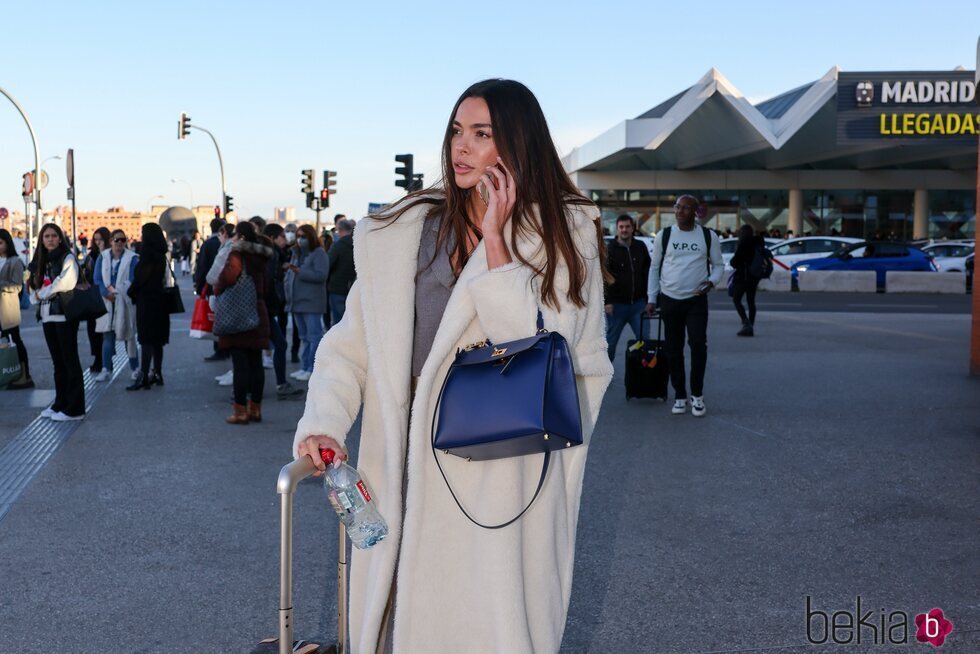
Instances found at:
x=707 y=246
x=761 y=266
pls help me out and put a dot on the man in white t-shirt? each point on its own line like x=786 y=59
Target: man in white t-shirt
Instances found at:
x=686 y=265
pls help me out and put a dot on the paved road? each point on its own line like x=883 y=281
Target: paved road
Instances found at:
x=839 y=458
x=853 y=302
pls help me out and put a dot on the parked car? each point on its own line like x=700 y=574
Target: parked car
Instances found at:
x=951 y=256
x=879 y=256
x=729 y=244
x=804 y=248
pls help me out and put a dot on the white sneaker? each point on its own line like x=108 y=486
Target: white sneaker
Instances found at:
x=135 y=375
x=266 y=361
x=296 y=374
x=697 y=407
x=225 y=379
x=61 y=417
x=49 y=413
x=680 y=407
x=103 y=376
x=303 y=375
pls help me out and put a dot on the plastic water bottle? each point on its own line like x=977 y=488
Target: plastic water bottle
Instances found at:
x=352 y=501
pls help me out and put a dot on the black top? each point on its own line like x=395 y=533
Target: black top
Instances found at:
x=630 y=268
x=342 y=273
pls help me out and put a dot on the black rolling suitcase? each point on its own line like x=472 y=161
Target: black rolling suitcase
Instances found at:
x=646 y=365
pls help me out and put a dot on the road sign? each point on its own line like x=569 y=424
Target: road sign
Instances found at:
x=70 y=165
x=44 y=180
x=28 y=184
x=4 y=213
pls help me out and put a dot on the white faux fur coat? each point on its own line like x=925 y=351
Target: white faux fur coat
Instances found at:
x=460 y=588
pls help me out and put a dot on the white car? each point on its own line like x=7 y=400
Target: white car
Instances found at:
x=794 y=250
x=729 y=244
x=950 y=257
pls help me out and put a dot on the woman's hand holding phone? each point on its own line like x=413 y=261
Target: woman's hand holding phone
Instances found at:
x=501 y=195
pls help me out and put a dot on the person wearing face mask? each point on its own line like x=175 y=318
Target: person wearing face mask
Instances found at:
x=113 y=275
x=53 y=272
x=96 y=326
x=503 y=238
x=11 y=285
x=205 y=261
x=290 y=236
x=306 y=297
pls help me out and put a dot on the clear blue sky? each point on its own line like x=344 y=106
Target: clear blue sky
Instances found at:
x=346 y=86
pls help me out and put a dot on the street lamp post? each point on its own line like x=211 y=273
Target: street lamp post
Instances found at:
x=189 y=189
x=37 y=167
x=155 y=197
x=184 y=128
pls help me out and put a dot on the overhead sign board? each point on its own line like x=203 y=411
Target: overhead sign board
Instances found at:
x=908 y=108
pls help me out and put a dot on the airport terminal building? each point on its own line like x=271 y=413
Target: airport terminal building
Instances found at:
x=864 y=154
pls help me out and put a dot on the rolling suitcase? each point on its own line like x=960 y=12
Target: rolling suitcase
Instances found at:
x=289 y=477
x=646 y=365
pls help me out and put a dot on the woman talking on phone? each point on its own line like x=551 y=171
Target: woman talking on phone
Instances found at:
x=504 y=235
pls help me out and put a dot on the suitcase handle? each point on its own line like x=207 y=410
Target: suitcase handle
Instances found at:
x=660 y=323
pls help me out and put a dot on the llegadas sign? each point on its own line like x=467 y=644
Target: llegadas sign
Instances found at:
x=926 y=108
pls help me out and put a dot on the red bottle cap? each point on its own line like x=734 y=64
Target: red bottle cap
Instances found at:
x=327 y=455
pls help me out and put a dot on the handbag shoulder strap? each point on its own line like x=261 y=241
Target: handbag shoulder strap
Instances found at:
x=435 y=455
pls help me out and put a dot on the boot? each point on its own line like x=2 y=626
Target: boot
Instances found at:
x=157 y=378
x=24 y=381
x=254 y=411
x=140 y=382
x=746 y=329
x=240 y=417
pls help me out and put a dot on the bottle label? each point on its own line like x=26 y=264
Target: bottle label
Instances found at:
x=364 y=491
x=332 y=496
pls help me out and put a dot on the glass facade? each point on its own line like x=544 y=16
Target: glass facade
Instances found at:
x=866 y=214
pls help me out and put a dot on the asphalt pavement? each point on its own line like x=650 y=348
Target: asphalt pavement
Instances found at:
x=838 y=459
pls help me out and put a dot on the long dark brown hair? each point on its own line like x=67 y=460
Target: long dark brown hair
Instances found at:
x=522 y=139
x=42 y=258
x=106 y=242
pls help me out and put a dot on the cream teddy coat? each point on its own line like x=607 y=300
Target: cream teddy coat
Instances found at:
x=460 y=588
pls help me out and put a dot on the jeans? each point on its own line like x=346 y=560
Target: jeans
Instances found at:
x=109 y=351
x=248 y=375
x=338 y=303
x=623 y=314
x=310 y=332
x=690 y=315
x=69 y=388
x=278 y=350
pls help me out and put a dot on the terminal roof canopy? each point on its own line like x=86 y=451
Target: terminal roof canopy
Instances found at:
x=712 y=126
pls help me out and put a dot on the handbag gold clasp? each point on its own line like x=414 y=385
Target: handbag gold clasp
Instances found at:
x=499 y=351
x=474 y=346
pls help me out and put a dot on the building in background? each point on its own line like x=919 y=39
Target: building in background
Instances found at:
x=283 y=215
x=889 y=154
x=87 y=222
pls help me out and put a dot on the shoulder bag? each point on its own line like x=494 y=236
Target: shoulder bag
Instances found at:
x=236 y=308
x=508 y=400
x=171 y=294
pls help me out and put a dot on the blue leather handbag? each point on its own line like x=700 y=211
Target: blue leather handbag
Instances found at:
x=508 y=400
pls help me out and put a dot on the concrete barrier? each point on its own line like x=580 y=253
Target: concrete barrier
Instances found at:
x=838 y=281
x=779 y=282
x=904 y=281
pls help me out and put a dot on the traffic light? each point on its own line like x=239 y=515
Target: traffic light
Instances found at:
x=229 y=204
x=184 y=126
x=405 y=170
x=416 y=182
x=329 y=182
x=217 y=211
x=324 y=198
x=308 y=181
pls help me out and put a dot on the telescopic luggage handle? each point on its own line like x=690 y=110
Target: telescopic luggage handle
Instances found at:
x=289 y=478
x=658 y=317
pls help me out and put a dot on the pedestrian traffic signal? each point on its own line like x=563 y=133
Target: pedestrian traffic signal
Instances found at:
x=229 y=204
x=324 y=198
x=405 y=170
x=217 y=211
x=184 y=126
x=308 y=180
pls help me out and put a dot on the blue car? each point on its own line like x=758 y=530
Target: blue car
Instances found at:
x=880 y=256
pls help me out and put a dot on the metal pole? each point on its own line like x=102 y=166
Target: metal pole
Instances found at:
x=37 y=169
x=221 y=164
x=975 y=332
